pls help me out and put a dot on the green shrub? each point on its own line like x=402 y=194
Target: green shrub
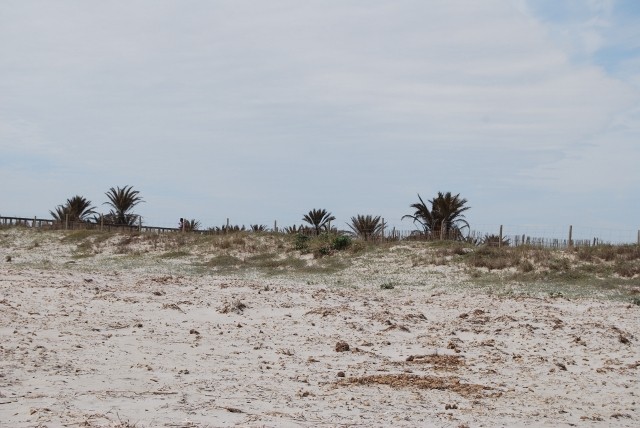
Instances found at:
x=322 y=245
x=559 y=264
x=341 y=242
x=357 y=246
x=301 y=242
x=525 y=266
x=493 y=258
x=322 y=250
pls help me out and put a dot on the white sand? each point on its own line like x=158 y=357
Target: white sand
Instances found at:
x=97 y=347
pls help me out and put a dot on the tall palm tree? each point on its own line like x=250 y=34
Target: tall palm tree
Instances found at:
x=449 y=213
x=187 y=225
x=366 y=226
x=444 y=217
x=76 y=209
x=422 y=215
x=122 y=201
x=59 y=213
x=319 y=219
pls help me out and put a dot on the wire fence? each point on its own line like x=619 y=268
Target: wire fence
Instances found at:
x=494 y=235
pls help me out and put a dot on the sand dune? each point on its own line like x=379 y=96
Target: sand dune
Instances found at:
x=89 y=345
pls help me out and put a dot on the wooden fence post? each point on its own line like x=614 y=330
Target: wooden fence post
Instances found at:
x=34 y=222
x=500 y=238
x=66 y=222
x=275 y=225
x=570 y=235
x=101 y=222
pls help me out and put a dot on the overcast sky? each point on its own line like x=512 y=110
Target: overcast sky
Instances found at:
x=263 y=110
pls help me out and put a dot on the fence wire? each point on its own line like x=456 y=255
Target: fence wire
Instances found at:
x=495 y=235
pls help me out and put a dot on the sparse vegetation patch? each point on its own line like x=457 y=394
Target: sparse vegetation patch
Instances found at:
x=400 y=381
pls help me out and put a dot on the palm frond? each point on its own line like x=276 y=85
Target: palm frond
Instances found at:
x=366 y=226
x=76 y=209
x=319 y=219
x=122 y=201
x=444 y=217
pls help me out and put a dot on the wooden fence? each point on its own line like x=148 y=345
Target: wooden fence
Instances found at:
x=496 y=238
x=79 y=225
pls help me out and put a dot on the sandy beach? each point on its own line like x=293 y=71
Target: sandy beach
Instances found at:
x=89 y=342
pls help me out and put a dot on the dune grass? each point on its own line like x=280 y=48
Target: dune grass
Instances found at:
x=604 y=270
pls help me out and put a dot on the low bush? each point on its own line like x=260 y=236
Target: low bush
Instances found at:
x=494 y=258
x=626 y=269
x=341 y=242
x=301 y=242
x=321 y=245
x=224 y=261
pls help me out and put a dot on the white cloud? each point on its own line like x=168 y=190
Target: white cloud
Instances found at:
x=23 y=136
x=301 y=102
x=605 y=164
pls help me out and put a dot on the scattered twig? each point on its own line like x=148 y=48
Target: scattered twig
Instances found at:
x=172 y=306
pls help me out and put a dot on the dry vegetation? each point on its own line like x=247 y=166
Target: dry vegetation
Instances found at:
x=605 y=270
x=615 y=268
x=420 y=382
x=200 y=328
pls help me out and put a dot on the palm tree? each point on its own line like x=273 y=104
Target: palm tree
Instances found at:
x=76 y=209
x=225 y=228
x=319 y=219
x=366 y=226
x=60 y=213
x=495 y=241
x=189 y=225
x=445 y=216
x=422 y=215
x=449 y=214
x=122 y=201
